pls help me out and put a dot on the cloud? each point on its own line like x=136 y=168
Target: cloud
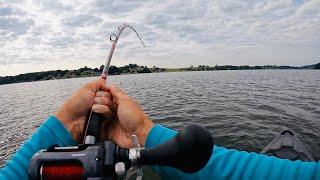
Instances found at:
x=83 y=20
x=116 y=7
x=15 y=26
x=310 y=9
x=69 y=34
x=55 y=6
x=5 y=11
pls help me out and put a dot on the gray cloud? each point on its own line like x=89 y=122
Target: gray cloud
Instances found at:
x=11 y=11
x=54 y=6
x=15 y=25
x=116 y=7
x=61 y=41
x=309 y=9
x=183 y=11
x=177 y=33
x=158 y=20
x=4 y=11
x=83 y=20
x=11 y=2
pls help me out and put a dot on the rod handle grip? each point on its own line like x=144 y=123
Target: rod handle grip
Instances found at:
x=94 y=126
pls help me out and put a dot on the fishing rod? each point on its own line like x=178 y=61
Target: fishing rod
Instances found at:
x=94 y=120
x=114 y=39
x=189 y=151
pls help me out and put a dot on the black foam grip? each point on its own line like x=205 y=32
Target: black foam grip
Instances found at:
x=94 y=125
x=189 y=151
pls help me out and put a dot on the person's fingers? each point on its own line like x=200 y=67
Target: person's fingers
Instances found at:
x=102 y=101
x=117 y=94
x=104 y=87
x=115 y=91
x=95 y=84
x=101 y=84
x=102 y=109
x=103 y=94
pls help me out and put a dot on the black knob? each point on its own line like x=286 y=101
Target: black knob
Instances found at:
x=189 y=151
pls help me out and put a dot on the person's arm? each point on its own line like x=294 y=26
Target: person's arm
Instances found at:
x=63 y=129
x=233 y=164
x=223 y=164
x=52 y=132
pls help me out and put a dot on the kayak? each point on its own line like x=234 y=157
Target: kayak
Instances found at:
x=288 y=146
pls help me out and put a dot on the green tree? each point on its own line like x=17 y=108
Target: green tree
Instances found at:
x=114 y=70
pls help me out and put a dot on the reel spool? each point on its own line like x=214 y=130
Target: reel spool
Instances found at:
x=65 y=171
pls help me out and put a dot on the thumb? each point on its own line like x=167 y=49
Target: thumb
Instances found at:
x=117 y=93
x=95 y=85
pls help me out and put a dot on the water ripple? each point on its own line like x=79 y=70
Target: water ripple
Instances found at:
x=242 y=109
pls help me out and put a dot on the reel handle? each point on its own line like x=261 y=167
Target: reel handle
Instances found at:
x=189 y=151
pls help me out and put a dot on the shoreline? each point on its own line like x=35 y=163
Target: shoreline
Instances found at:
x=134 y=69
x=154 y=72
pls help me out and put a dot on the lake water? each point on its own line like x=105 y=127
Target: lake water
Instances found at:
x=242 y=109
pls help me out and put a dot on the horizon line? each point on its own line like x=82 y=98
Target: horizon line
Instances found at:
x=157 y=67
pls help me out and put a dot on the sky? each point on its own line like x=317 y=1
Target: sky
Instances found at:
x=39 y=35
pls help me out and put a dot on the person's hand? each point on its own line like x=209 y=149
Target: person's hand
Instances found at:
x=74 y=111
x=130 y=120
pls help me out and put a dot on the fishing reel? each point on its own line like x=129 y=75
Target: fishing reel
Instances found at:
x=188 y=151
x=102 y=161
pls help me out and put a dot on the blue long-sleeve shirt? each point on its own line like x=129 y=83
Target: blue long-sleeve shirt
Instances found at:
x=49 y=133
x=223 y=164
x=233 y=164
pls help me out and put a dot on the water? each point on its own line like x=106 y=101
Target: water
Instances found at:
x=242 y=109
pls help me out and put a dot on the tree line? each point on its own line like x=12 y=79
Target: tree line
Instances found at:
x=82 y=72
x=130 y=69
x=246 y=67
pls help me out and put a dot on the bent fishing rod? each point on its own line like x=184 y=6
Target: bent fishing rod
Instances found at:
x=94 y=120
x=188 y=151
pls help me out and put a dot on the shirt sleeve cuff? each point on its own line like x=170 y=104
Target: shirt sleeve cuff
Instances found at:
x=158 y=135
x=57 y=128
